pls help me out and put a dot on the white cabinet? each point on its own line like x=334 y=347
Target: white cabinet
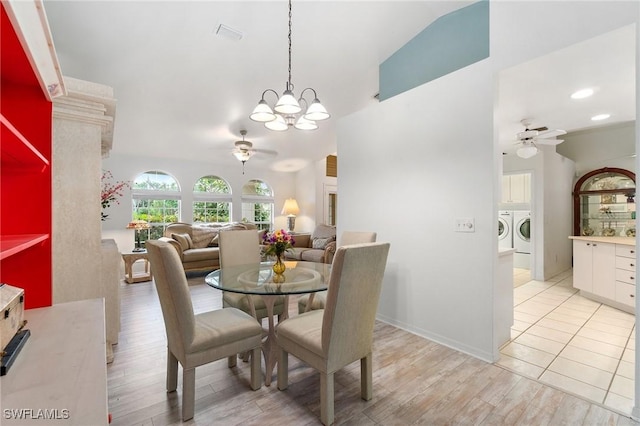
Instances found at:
x=626 y=275
x=516 y=188
x=605 y=271
x=594 y=267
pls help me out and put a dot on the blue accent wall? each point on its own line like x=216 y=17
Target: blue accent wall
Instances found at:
x=450 y=43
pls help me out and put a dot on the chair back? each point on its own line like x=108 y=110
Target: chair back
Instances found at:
x=240 y=247
x=352 y=301
x=356 y=237
x=174 y=295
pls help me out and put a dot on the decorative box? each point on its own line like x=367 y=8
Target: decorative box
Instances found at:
x=11 y=313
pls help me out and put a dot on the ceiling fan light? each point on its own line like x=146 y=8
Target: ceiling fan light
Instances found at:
x=527 y=151
x=287 y=104
x=316 y=111
x=262 y=112
x=242 y=155
x=304 y=124
x=279 y=124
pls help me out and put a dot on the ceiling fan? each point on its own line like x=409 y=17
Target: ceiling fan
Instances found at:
x=244 y=150
x=530 y=138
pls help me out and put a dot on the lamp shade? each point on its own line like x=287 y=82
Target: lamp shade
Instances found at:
x=262 y=112
x=278 y=124
x=316 y=111
x=527 y=151
x=138 y=224
x=287 y=104
x=304 y=124
x=290 y=207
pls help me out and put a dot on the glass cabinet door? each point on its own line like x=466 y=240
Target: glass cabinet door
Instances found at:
x=604 y=203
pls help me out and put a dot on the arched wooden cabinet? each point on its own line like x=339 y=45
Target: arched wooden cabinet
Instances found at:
x=604 y=203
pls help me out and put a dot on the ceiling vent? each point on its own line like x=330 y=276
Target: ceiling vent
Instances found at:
x=229 y=33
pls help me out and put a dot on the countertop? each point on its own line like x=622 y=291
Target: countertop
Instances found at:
x=629 y=241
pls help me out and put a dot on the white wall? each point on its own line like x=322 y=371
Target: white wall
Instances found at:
x=557 y=220
x=412 y=164
x=410 y=168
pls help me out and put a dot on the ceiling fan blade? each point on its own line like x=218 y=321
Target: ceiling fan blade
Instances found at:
x=540 y=129
x=551 y=133
x=549 y=141
x=266 y=152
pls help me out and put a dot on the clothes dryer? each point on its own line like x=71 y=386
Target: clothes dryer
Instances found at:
x=505 y=229
x=522 y=231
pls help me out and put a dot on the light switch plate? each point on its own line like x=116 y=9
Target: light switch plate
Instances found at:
x=465 y=224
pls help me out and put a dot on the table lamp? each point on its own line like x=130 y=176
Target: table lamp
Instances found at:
x=138 y=225
x=290 y=209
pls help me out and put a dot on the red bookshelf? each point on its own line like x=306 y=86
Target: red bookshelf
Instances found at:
x=25 y=172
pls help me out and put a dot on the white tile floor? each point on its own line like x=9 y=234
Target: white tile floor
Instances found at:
x=570 y=342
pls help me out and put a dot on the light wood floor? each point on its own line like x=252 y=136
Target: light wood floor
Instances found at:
x=415 y=381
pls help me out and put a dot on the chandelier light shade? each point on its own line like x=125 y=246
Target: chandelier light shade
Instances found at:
x=287 y=111
x=279 y=124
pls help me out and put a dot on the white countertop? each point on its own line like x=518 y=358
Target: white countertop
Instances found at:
x=629 y=241
x=62 y=368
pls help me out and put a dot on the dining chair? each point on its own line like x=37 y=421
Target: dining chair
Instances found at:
x=242 y=247
x=194 y=340
x=320 y=338
x=346 y=238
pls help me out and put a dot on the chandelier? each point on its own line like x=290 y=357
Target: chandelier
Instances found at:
x=288 y=111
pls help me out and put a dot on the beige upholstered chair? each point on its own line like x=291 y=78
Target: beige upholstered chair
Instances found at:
x=321 y=339
x=346 y=238
x=194 y=340
x=242 y=248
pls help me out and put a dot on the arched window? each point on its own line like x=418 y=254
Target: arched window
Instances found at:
x=155 y=199
x=257 y=204
x=212 y=200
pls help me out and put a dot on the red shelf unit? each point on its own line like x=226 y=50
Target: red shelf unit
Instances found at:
x=25 y=172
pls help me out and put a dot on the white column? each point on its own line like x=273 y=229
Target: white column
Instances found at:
x=82 y=135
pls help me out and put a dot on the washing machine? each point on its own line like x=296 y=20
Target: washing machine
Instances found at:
x=505 y=229
x=522 y=231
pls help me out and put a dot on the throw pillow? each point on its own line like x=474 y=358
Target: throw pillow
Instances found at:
x=323 y=231
x=183 y=239
x=321 y=243
x=201 y=236
x=214 y=241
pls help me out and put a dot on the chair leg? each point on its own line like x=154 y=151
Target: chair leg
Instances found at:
x=326 y=398
x=256 y=370
x=283 y=369
x=232 y=361
x=188 y=392
x=172 y=372
x=366 y=377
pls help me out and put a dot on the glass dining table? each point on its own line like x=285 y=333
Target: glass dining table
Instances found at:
x=257 y=278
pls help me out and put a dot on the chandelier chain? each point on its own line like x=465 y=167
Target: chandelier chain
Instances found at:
x=289 y=82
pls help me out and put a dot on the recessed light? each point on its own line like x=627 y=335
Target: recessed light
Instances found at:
x=600 y=117
x=582 y=93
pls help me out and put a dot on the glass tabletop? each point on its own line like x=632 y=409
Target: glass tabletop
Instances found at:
x=257 y=278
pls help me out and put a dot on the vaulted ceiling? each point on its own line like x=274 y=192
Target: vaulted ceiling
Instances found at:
x=185 y=92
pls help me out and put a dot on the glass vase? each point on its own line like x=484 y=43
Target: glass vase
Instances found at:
x=278 y=269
